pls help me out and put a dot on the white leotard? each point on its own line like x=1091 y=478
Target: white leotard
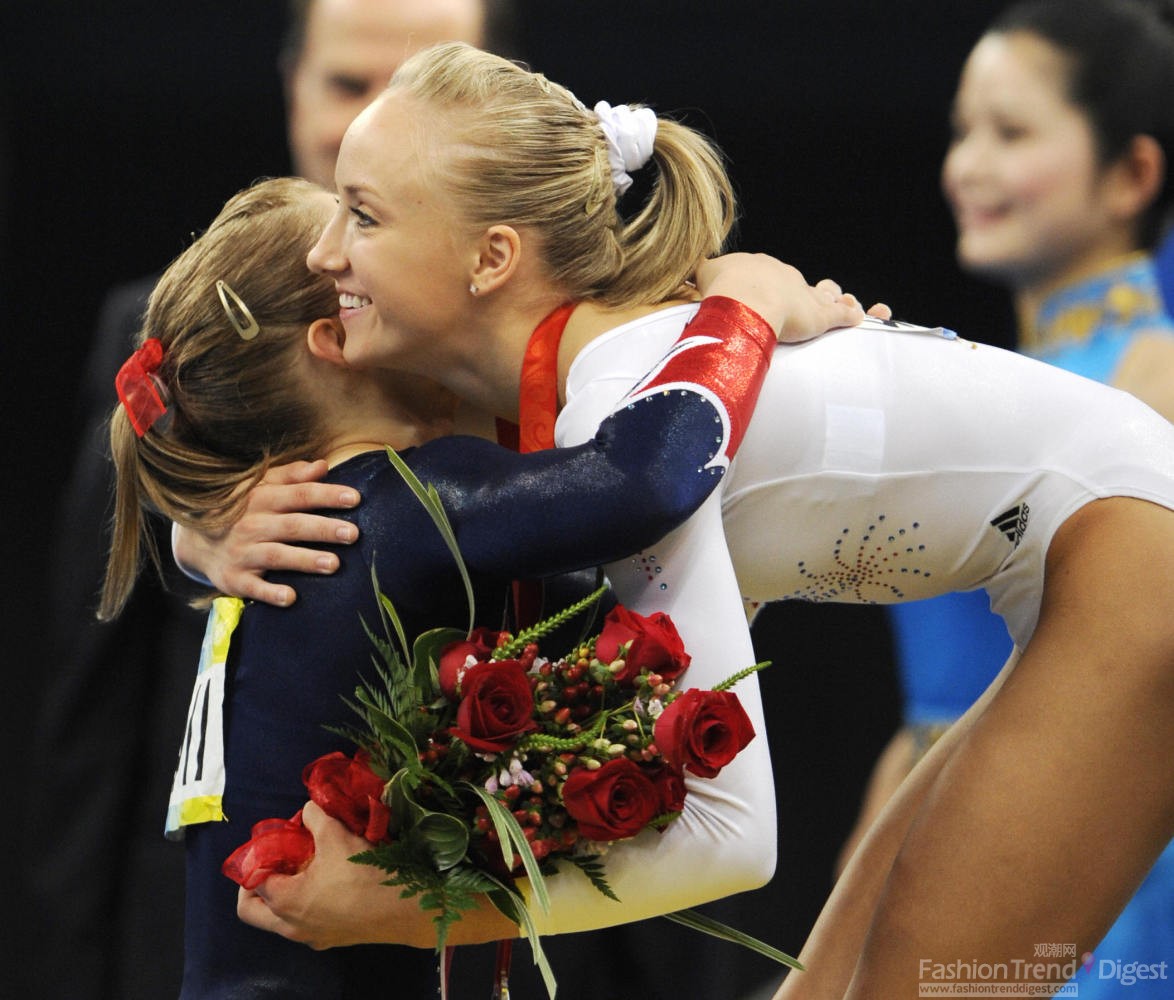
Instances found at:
x=882 y=464
x=886 y=464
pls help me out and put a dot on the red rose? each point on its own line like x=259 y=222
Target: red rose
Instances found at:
x=612 y=802
x=277 y=847
x=702 y=731
x=349 y=791
x=497 y=706
x=650 y=643
x=670 y=784
x=455 y=656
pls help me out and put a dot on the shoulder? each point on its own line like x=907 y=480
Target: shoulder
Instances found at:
x=632 y=347
x=452 y=465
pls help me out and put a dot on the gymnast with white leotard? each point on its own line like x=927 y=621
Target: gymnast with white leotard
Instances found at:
x=874 y=433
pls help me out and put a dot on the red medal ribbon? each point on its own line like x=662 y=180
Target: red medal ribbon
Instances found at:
x=538 y=393
x=537 y=412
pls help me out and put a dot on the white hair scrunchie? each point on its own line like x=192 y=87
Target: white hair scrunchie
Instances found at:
x=630 y=136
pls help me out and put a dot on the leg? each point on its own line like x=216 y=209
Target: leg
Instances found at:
x=1034 y=819
x=1059 y=798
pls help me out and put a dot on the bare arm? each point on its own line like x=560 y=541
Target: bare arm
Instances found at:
x=891 y=769
x=796 y=310
x=837 y=939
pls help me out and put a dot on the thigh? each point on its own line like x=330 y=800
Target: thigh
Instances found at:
x=1056 y=802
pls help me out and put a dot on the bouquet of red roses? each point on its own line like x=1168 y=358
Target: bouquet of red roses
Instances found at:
x=480 y=760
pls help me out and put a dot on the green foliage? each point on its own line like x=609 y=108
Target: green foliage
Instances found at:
x=426 y=656
x=428 y=496
x=513 y=841
x=547 y=625
x=592 y=867
x=443 y=815
x=450 y=892
x=715 y=928
x=729 y=682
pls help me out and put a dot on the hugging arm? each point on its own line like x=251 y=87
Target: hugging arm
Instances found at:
x=290 y=510
x=269 y=535
x=650 y=465
x=570 y=505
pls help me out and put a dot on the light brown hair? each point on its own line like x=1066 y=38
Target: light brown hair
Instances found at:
x=235 y=406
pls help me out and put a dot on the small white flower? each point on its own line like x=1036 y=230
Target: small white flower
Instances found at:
x=513 y=774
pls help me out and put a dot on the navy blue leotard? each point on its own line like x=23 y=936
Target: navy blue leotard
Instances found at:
x=651 y=464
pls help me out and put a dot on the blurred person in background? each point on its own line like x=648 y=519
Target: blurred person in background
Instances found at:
x=1057 y=175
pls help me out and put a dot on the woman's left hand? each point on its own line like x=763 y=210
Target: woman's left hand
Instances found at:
x=335 y=902
x=781 y=295
x=331 y=903
x=878 y=310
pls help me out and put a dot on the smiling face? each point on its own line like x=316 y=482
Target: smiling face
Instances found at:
x=394 y=246
x=1022 y=175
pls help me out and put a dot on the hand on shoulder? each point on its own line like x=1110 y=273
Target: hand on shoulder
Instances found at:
x=781 y=294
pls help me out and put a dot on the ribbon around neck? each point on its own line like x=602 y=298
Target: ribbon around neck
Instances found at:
x=139 y=389
x=630 y=134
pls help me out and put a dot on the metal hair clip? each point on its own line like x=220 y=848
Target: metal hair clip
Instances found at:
x=244 y=323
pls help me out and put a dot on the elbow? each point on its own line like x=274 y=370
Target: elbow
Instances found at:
x=668 y=505
x=755 y=856
x=759 y=865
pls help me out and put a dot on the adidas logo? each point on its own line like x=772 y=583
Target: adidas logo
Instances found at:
x=1013 y=523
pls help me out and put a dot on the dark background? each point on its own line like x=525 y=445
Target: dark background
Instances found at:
x=124 y=126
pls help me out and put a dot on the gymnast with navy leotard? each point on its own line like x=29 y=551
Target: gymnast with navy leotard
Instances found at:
x=220 y=328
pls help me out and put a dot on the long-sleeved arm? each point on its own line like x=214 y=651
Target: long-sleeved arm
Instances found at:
x=649 y=466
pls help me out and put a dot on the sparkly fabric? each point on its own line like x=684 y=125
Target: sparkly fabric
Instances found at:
x=977 y=453
x=950 y=648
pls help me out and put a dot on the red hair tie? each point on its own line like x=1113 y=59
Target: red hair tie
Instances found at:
x=139 y=389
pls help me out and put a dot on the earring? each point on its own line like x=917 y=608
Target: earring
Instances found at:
x=473 y=289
